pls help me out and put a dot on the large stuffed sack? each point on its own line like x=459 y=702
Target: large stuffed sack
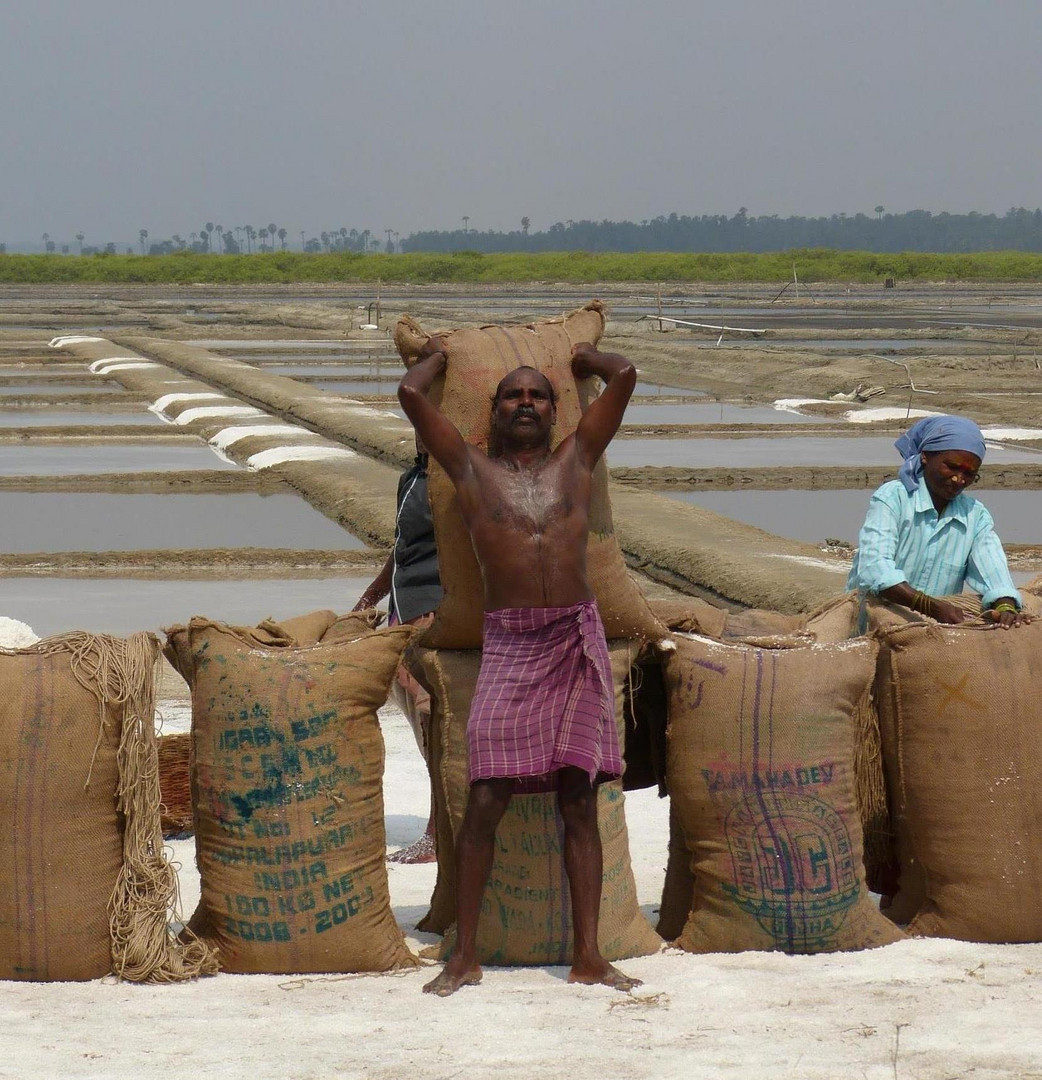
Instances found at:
x=478 y=359
x=833 y=621
x=86 y=887
x=287 y=780
x=961 y=722
x=526 y=915
x=761 y=777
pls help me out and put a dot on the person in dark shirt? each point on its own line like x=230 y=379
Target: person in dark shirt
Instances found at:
x=411 y=582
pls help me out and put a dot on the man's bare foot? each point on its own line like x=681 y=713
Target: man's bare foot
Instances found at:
x=449 y=980
x=603 y=974
x=422 y=851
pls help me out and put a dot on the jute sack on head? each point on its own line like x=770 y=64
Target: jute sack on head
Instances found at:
x=761 y=777
x=287 y=780
x=961 y=722
x=526 y=913
x=84 y=886
x=477 y=361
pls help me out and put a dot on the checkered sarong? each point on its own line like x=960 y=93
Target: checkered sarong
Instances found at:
x=543 y=698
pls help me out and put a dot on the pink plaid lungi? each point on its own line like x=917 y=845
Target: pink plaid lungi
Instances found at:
x=543 y=698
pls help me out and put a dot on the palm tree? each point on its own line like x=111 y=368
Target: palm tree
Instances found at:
x=272 y=228
x=220 y=236
x=208 y=228
x=79 y=240
x=282 y=238
x=142 y=235
x=263 y=236
x=879 y=213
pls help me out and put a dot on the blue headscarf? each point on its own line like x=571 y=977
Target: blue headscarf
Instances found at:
x=931 y=434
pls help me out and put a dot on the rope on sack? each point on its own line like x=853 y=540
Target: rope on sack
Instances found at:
x=122 y=675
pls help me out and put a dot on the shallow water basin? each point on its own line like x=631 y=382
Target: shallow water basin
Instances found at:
x=819 y=515
x=45 y=417
x=756 y=452
x=102 y=521
x=712 y=413
x=122 y=457
x=334 y=371
x=879 y=344
x=125 y=605
x=357 y=387
x=58 y=387
x=656 y=389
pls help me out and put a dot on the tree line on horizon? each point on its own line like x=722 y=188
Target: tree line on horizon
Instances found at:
x=917 y=230
x=1018 y=229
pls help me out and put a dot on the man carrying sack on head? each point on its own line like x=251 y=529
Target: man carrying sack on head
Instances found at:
x=542 y=711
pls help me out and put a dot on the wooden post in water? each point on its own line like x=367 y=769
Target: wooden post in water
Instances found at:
x=658 y=299
x=377 y=301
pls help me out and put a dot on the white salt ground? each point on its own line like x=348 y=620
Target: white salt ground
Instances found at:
x=868 y=416
x=279 y=455
x=15 y=635
x=920 y=1009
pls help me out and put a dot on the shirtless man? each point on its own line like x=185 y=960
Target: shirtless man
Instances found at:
x=543 y=707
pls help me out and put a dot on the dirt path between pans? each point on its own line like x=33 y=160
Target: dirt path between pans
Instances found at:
x=802 y=478
x=218 y=563
x=187 y=481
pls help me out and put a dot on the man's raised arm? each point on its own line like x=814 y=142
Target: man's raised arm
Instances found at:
x=602 y=419
x=438 y=435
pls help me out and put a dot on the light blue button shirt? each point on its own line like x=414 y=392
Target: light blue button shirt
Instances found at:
x=904 y=539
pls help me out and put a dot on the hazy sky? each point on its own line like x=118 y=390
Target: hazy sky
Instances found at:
x=118 y=115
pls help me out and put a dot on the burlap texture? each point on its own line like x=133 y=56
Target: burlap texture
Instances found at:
x=882 y=615
x=175 y=787
x=477 y=361
x=761 y=774
x=526 y=910
x=832 y=621
x=87 y=888
x=678 y=888
x=962 y=740
x=287 y=783
x=62 y=847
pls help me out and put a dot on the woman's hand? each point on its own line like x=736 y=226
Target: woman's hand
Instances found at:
x=946 y=612
x=1006 y=615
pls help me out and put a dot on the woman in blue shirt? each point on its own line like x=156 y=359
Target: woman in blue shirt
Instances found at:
x=924 y=538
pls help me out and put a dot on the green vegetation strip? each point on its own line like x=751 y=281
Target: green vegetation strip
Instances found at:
x=577 y=267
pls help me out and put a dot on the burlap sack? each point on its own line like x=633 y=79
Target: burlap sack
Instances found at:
x=477 y=361
x=882 y=615
x=526 y=910
x=962 y=738
x=287 y=782
x=175 y=787
x=84 y=887
x=760 y=771
x=833 y=621
x=678 y=888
